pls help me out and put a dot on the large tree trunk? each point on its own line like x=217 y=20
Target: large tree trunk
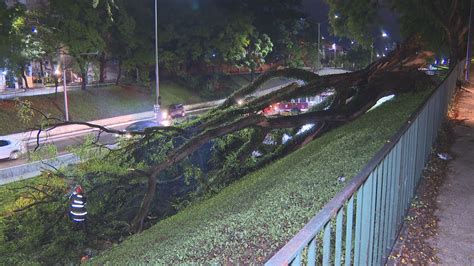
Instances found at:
x=25 y=80
x=137 y=223
x=119 y=74
x=41 y=69
x=102 y=66
x=84 y=79
x=56 y=83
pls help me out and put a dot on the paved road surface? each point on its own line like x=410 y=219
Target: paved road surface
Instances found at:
x=61 y=144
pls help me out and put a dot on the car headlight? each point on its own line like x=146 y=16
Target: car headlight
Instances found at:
x=166 y=122
x=164 y=114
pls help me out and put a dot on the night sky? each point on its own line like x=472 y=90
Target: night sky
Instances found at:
x=317 y=11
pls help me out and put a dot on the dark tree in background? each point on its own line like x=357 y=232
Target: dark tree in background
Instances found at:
x=443 y=24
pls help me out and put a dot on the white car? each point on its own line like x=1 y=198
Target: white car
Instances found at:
x=11 y=148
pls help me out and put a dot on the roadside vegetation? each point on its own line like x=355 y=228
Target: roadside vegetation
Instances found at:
x=246 y=221
x=222 y=187
x=252 y=218
x=94 y=104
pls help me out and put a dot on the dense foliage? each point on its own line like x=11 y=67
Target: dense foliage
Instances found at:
x=443 y=24
x=197 y=39
x=114 y=195
x=19 y=43
x=254 y=216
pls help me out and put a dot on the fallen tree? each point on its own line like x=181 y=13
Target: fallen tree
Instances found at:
x=353 y=94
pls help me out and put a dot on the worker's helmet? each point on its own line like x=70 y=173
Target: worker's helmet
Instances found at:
x=78 y=189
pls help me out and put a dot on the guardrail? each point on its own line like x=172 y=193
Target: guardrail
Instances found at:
x=360 y=224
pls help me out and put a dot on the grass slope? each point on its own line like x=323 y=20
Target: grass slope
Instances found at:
x=249 y=220
x=95 y=103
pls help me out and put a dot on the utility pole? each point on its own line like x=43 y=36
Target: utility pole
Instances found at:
x=372 y=53
x=156 y=108
x=469 y=44
x=66 y=107
x=319 y=45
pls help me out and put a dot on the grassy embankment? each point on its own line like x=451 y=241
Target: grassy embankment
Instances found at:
x=249 y=220
x=93 y=104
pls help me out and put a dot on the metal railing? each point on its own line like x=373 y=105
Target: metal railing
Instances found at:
x=360 y=224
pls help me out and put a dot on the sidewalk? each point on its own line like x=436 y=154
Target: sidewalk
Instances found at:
x=10 y=94
x=455 y=240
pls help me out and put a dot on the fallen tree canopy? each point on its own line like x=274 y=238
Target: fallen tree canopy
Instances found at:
x=352 y=95
x=355 y=93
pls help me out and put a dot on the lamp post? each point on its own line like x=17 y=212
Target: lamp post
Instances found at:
x=319 y=45
x=66 y=107
x=469 y=44
x=384 y=35
x=156 y=107
x=372 y=52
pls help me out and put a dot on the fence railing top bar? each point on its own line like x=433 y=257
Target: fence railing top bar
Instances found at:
x=286 y=254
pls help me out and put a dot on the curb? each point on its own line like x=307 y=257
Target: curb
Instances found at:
x=29 y=170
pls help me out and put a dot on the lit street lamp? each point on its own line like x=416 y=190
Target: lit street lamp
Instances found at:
x=156 y=107
x=384 y=35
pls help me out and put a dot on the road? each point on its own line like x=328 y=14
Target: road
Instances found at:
x=62 y=143
x=71 y=139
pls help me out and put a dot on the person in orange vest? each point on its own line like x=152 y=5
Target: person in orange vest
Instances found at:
x=77 y=207
x=87 y=256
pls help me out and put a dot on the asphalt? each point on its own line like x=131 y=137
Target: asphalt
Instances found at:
x=455 y=240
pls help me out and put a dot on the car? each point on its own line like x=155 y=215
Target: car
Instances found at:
x=176 y=110
x=11 y=148
x=140 y=126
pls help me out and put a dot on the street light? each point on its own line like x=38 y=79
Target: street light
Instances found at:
x=469 y=44
x=156 y=107
x=384 y=35
x=66 y=107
